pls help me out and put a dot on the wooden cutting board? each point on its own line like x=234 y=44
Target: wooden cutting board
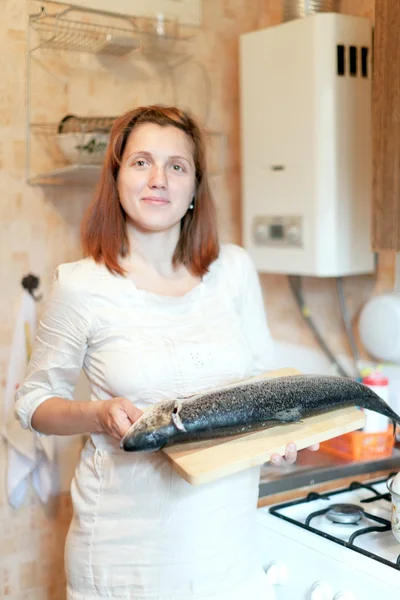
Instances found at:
x=205 y=461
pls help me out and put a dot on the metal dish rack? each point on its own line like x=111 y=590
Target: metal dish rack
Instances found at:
x=91 y=32
x=81 y=30
x=60 y=32
x=83 y=173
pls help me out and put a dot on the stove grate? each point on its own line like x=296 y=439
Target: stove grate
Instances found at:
x=356 y=485
x=385 y=524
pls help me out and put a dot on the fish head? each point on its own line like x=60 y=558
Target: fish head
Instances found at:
x=152 y=430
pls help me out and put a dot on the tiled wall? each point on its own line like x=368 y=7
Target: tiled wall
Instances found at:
x=40 y=229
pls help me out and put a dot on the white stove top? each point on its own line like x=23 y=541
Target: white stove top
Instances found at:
x=321 y=556
x=382 y=544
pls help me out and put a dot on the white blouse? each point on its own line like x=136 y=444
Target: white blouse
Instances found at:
x=103 y=323
x=139 y=530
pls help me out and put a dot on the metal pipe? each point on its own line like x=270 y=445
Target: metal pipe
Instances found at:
x=295 y=283
x=347 y=324
x=296 y=9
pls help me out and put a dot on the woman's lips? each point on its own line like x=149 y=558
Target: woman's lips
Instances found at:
x=156 y=201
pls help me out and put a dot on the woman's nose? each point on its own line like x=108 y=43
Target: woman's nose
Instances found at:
x=157 y=178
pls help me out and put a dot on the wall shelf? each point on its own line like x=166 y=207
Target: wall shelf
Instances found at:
x=80 y=176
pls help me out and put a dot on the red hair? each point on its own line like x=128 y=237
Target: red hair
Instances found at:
x=104 y=233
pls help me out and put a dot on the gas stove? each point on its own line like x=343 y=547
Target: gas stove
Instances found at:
x=332 y=546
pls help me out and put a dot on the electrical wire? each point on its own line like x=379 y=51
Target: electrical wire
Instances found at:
x=295 y=283
x=347 y=323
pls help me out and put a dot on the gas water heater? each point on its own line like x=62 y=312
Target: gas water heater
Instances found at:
x=305 y=94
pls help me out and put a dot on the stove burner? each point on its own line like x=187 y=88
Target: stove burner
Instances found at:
x=371 y=523
x=346 y=514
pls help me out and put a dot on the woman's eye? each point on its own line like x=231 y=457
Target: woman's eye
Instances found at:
x=140 y=163
x=177 y=168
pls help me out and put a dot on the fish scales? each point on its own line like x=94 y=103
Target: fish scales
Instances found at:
x=248 y=405
x=259 y=402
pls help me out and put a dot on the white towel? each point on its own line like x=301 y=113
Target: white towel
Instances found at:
x=27 y=452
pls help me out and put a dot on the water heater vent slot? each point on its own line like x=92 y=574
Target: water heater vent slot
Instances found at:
x=341 y=65
x=364 y=61
x=352 y=52
x=353 y=61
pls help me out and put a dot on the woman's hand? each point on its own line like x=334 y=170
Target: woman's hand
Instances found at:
x=116 y=416
x=290 y=455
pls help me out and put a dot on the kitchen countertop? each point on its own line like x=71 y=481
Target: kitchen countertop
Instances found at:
x=313 y=468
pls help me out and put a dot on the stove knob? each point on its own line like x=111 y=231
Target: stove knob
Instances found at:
x=344 y=596
x=321 y=590
x=277 y=573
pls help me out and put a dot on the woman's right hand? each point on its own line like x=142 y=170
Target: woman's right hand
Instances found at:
x=115 y=416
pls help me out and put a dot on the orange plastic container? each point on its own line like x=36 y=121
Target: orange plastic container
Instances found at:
x=359 y=445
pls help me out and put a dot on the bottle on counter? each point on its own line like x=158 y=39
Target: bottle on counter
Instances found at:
x=375 y=440
x=379 y=383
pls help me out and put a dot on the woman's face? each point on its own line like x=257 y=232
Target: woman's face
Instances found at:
x=156 y=180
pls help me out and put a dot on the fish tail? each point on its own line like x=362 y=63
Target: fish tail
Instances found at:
x=376 y=404
x=388 y=412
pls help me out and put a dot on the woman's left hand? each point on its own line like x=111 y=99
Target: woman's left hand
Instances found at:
x=290 y=455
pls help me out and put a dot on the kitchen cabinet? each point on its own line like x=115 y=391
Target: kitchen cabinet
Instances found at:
x=386 y=127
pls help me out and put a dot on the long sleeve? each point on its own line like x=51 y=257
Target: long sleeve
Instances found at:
x=253 y=315
x=59 y=348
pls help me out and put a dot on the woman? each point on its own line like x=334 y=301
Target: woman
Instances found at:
x=156 y=310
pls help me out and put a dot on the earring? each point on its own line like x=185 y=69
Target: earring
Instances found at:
x=191 y=206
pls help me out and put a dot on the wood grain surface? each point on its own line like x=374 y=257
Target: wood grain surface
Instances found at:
x=386 y=127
